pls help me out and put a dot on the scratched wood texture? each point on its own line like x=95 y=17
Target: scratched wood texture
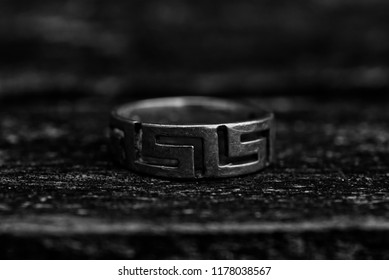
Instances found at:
x=61 y=197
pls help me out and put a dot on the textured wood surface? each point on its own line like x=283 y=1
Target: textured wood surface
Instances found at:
x=326 y=197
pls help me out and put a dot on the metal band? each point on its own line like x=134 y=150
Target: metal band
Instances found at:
x=192 y=137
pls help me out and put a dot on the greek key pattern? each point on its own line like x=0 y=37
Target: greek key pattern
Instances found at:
x=193 y=151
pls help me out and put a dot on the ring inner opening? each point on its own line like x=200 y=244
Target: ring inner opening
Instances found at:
x=191 y=114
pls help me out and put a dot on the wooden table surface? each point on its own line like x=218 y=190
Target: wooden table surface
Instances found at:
x=327 y=196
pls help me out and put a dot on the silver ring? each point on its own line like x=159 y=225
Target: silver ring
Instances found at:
x=192 y=137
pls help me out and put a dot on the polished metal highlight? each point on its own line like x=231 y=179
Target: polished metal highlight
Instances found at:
x=192 y=137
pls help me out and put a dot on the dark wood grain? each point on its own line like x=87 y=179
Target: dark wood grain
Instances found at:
x=186 y=46
x=325 y=198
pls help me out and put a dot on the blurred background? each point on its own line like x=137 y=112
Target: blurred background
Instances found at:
x=179 y=47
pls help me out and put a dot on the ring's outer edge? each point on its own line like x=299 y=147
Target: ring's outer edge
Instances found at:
x=194 y=150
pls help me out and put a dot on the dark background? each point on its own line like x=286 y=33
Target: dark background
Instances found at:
x=321 y=66
x=194 y=47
